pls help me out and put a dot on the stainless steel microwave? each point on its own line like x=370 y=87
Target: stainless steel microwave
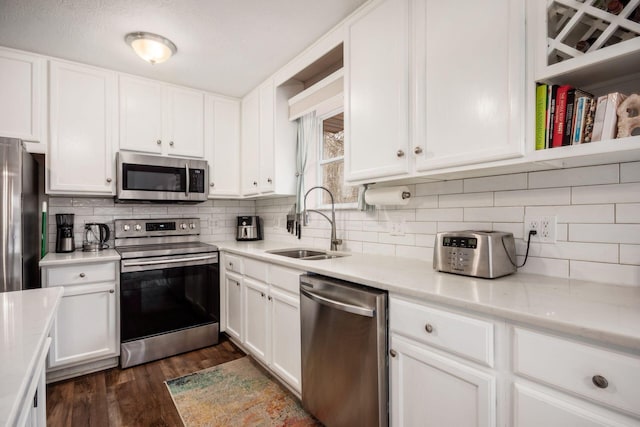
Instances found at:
x=143 y=178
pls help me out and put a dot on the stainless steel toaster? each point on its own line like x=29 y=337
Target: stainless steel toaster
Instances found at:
x=487 y=254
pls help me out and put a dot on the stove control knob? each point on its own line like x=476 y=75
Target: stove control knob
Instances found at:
x=192 y=225
x=126 y=227
x=138 y=227
x=183 y=226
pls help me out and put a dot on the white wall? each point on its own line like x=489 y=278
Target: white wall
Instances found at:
x=217 y=217
x=597 y=208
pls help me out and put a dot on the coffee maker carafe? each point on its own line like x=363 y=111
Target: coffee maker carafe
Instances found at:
x=95 y=237
x=64 y=233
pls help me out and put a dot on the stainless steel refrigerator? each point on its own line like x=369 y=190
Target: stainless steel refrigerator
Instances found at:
x=19 y=224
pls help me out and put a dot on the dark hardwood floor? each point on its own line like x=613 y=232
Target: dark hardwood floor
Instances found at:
x=135 y=396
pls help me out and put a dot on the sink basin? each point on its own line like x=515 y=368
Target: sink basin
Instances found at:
x=306 y=254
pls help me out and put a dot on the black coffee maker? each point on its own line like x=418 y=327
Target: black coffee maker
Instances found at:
x=64 y=234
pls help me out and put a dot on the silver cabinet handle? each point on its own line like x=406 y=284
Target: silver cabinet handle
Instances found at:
x=230 y=265
x=186 y=167
x=269 y=298
x=237 y=284
x=600 y=381
x=428 y=328
x=109 y=179
x=212 y=185
x=400 y=153
x=418 y=150
x=171 y=143
x=111 y=291
x=338 y=305
x=82 y=275
x=255 y=183
x=269 y=180
x=262 y=294
x=393 y=353
x=159 y=142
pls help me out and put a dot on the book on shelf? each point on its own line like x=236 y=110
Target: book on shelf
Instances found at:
x=582 y=108
x=552 y=91
x=598 y=119
x=588 y=121
x=560 y=116
x=609 y=126
x=541 y=115
x=573 y=95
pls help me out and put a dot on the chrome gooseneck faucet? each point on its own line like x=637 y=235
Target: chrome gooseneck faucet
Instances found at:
x=305 y=216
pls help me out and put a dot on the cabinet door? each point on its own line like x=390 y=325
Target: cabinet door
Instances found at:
x=469 y=94
x=377 y=95
x=233 y=304
x=428 y=389
x=85 y=326
x=250 y=143
x=23 y=89
x=256 y=318
x=140 y=115
x=285 y=337
x=223 y=146
x=267 y=135
x=185 y=122
x=82 y=111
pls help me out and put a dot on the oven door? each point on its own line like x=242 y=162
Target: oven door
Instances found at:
x=161 y=179
x=165 y=294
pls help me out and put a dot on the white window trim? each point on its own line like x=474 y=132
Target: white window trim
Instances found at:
x=320 y=162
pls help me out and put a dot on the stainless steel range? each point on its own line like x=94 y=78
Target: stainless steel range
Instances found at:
x=169 y=289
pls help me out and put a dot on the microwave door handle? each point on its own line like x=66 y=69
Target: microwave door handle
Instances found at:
x=186 y=167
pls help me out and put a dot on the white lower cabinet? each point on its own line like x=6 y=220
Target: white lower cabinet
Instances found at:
x=232 y=305
x=85 y=333
x=256 y=320
x=261 y=313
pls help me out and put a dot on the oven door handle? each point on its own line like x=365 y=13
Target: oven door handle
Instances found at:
x=186 y=166
x=126 y=263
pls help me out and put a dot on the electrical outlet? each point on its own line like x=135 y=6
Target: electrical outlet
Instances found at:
x=545 y=227
x=397 y=229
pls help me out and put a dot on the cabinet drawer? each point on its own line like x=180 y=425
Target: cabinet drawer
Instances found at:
x=285 y=278
x=575 y=367
x=81 y=273
x=233 y=263
x=466 y=336
x=255 y=269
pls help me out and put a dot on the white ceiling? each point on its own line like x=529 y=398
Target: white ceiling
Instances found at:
x=224 y=46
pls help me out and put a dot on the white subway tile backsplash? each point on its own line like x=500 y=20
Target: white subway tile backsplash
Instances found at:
x=615 y=274
x=550 y=196
x=421 y=202
x=441 y=187
x=545 y=266
x=604 y=174
x=601 y=252
x=92 y=202
x=605 y=233
x=466 y=200
x=506 y=214
x=149 y=210
x=362 y=236
x=613 y=193
x=628 y=213
x=378 y=249
x=630 y=254
x=419 y=227
x=403 y=239
x=459 y=226
x=575 y=213
x=630 y=172
x=425 y=240
x=422 y=253
x=496 y=183
x=450 y=214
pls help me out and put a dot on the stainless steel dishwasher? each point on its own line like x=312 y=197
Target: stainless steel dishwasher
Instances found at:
x=344 y=352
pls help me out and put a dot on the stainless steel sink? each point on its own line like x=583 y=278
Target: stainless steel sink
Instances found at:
x=306 y=254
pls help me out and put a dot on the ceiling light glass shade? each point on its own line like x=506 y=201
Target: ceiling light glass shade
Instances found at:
x=151 y=47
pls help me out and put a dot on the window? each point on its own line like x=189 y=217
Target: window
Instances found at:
x=331 y=161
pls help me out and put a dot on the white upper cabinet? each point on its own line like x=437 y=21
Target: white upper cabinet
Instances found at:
x=269 y=140
x=468 y=80
x=222 y=145
x=377 y=92
x=82 y=113
x=23 y=107
x=161 y=119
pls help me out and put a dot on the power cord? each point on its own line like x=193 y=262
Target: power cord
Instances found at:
x=526 y=255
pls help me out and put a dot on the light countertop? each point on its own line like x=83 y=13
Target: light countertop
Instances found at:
x=606 y=313
x=79 y=257
x=26 y=318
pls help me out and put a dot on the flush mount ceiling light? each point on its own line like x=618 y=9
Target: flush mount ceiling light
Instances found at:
x=151 y=47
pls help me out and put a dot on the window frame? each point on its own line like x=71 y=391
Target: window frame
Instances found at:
x=320 y=162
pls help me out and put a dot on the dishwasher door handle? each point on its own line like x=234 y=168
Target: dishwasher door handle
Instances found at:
x=338 y=305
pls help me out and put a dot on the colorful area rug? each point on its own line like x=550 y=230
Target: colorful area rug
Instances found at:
x=236 y=393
